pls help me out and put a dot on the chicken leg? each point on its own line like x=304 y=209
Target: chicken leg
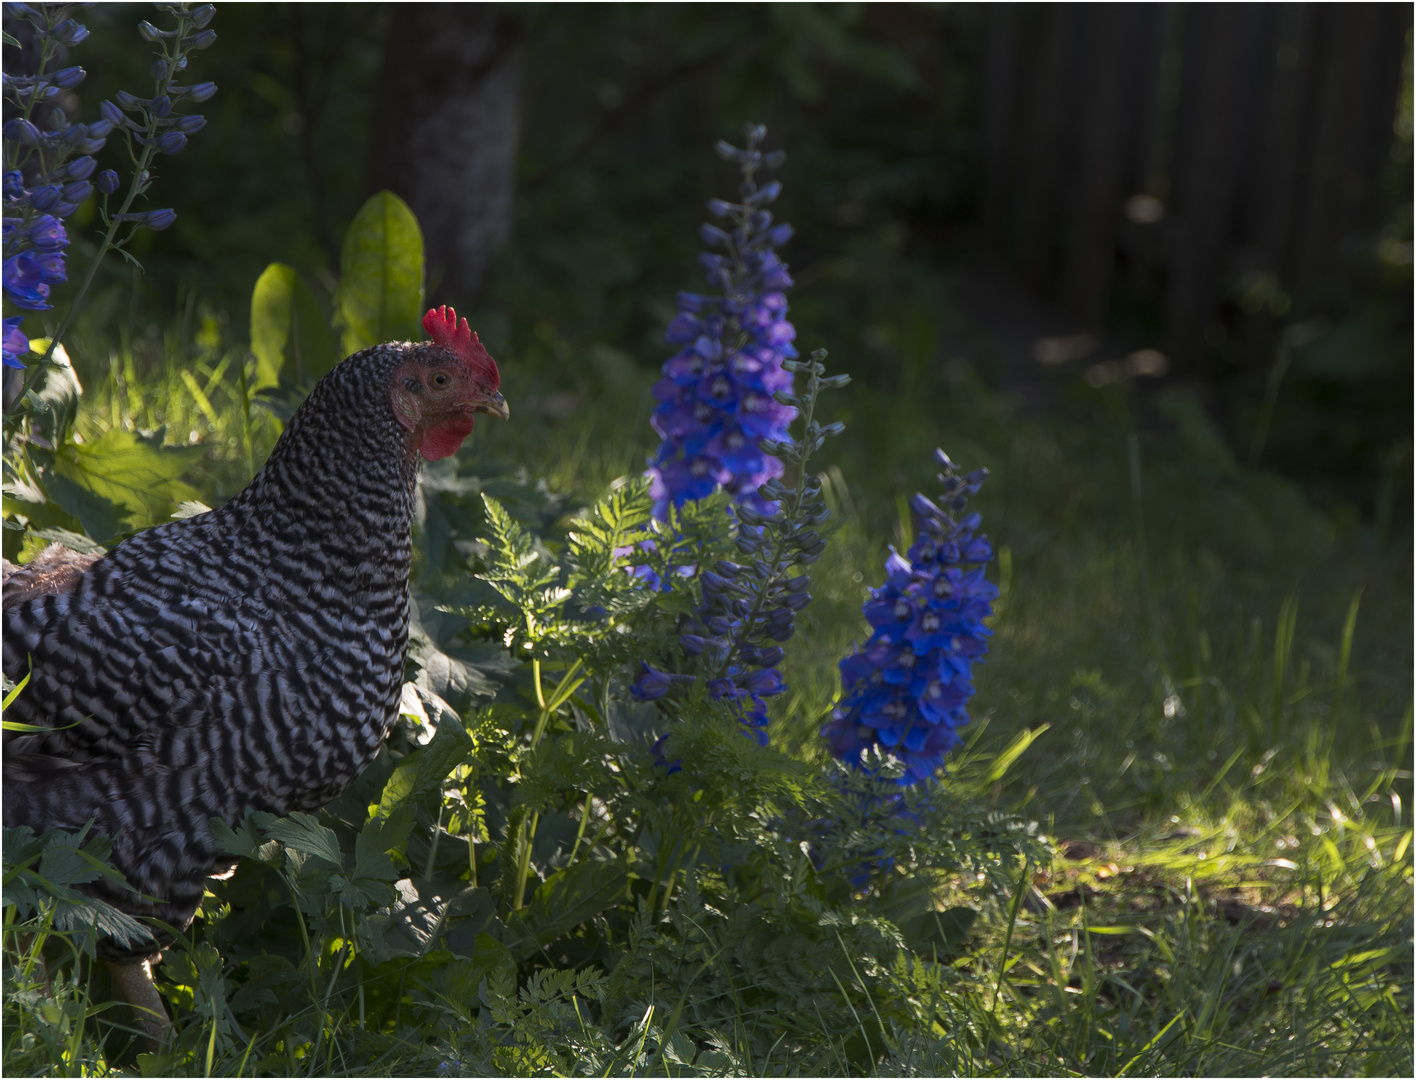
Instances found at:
x=133 y=984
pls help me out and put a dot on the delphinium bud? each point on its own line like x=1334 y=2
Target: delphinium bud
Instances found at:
x=21 y=131
x=157 y=220
x=47 y=233
x=45 y=198
x=70 y=32
x=16 y=344
x=653 y=684
x=81 y=168
x=717 y=392
x=68 y=78
x=905 y=692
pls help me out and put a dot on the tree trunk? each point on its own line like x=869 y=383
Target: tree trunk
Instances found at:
x=445 y=134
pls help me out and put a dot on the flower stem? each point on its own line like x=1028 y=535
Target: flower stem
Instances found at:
x=780 y=563
x=114 y=222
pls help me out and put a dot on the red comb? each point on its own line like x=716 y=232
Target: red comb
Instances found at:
x=443 y=327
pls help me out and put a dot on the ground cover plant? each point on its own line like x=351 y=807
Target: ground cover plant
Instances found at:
x=1172 y=836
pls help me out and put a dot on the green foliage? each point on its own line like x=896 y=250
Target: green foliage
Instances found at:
x=103 y=488
x=41 y=875
x=379 y=298
x=289 y=332
x=380 y=295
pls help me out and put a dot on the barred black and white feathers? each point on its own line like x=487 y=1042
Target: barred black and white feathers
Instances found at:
x=249 y=658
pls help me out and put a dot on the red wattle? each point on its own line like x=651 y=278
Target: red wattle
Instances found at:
x=446 y=438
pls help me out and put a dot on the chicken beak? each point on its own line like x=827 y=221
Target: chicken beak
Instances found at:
x=495 y=405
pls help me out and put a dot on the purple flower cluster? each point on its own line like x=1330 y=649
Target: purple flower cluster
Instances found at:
x=34 y=235
x=905 y=692
x=49 y=168
x=734 y=639
x=718 y=394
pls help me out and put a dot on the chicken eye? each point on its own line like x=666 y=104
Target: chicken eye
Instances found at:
x=411 y=383
x=438 y=378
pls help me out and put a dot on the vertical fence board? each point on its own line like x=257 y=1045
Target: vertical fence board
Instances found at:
x=1047 y=120
x=1274 y=181
x=1001 y=83
x=1346 y=79
x=1207 y=156
x=1117 y=37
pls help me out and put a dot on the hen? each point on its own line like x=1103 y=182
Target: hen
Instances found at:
x=250 y=658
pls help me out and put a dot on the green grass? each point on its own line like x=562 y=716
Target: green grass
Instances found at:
x=1199 y=688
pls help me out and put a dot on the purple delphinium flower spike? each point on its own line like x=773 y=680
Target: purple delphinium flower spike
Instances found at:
x=716 y=396
x=905 y=692
x=52 y=158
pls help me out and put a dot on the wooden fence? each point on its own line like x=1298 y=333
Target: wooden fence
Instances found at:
x=1167 y=158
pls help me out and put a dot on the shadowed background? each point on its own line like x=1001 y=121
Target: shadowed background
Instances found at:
x=1213 y=195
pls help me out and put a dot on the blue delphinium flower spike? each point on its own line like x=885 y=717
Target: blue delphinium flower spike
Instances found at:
x=716 y=396
x=51 y=165
x=905 y=692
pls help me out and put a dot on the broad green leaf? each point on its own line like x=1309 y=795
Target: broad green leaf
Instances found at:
x=905 y=899
x=101 y=518
x=938 y=931
x=139 y=474
x=469 y=914
x=424 y=769
x=569 y=897
x=242 y=842
x=303 y=833
x=377 y=838
x=99 y=914
x=289 y=334
x=449 y=667
x=59 y=397
x=380 y=293
x=491 y=960
x=364 y=891
x=72 y=540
